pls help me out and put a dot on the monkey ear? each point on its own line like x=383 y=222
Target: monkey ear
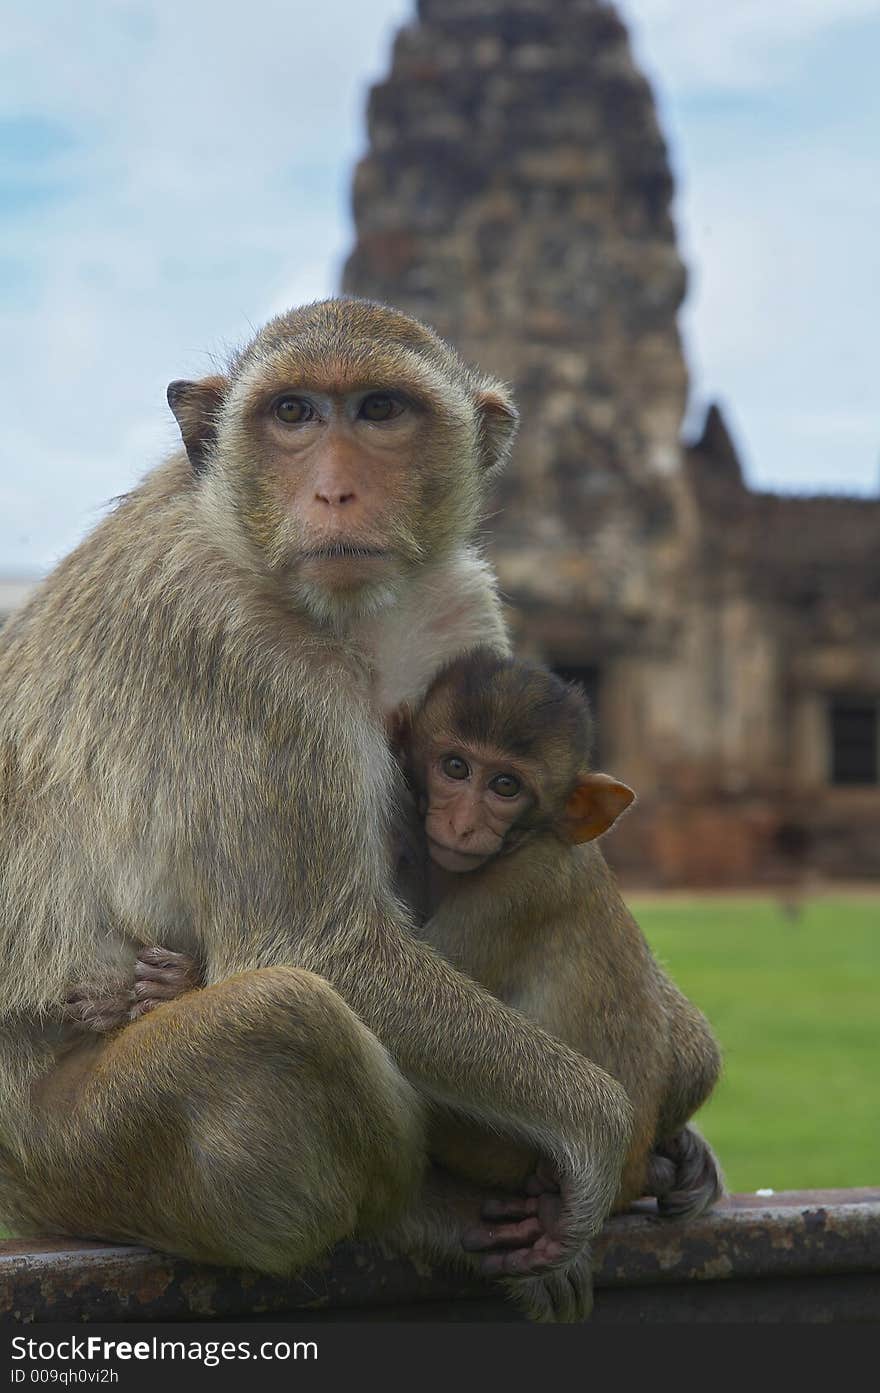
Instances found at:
x=498 y=419
x=196 y=406
x=595 y=805
x=398 y=727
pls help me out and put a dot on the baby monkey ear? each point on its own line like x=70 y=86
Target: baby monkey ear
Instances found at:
x=196 y=406
x=595 y=805
x=398 y=728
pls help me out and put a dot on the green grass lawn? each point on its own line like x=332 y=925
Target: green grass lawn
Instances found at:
x=796 y=1007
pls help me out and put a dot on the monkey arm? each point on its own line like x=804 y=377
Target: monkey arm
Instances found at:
x=448 y=1035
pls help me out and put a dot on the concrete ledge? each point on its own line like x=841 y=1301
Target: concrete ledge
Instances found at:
x=795 y=1256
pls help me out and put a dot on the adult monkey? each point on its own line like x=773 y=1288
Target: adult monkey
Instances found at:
x=192 y=752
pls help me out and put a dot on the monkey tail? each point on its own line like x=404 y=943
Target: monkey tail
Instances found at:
x=684 y=1174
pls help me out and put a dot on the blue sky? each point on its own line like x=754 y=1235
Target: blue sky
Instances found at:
x=171 y=175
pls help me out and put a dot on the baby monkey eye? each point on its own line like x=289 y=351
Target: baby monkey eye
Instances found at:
x=294 y=411
x=454 y=767
x=379 y=407
x=505 y=785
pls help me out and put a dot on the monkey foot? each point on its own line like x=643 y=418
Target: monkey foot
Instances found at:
x=521 y=1235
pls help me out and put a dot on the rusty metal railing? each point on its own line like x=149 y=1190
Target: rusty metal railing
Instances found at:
x=794 y=1256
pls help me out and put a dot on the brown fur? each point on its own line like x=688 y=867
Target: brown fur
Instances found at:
x=542 y=926
x=192 y=752
x=546 y=931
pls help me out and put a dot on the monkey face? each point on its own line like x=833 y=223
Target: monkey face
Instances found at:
x=344 y=487
x=474 y=799
x=478 y=803
x=498 y=751
x=350 y=446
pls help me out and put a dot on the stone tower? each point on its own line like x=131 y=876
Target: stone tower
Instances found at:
x=516 y=196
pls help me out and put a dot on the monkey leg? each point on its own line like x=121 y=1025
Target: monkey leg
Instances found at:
x=253 y=1123
x=683 y=1171
x=696 y=1061
x=472 y=1152
x=634 y=1181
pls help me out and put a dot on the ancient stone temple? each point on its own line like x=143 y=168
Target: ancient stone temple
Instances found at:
x=516 y=194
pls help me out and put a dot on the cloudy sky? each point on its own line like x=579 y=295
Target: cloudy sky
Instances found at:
x=172 y=174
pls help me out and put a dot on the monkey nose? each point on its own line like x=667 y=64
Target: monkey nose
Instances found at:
x=336 y=497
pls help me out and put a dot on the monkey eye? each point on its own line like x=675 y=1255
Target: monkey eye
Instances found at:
x=455 y=767
x=380 y=407
x=294 y=411
x=505 y=785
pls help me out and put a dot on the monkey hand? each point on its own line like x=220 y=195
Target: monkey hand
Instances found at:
x=98 y=1011
x=160 y=975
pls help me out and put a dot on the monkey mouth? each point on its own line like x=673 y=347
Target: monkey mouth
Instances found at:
x=345 y=567
x=343 y=551
x=451 y=859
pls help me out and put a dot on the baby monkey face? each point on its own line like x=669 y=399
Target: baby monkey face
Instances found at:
x=498 y=752
x=475 y=796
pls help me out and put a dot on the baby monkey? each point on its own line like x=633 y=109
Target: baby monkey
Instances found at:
x=497 y=858
x=512 y=889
